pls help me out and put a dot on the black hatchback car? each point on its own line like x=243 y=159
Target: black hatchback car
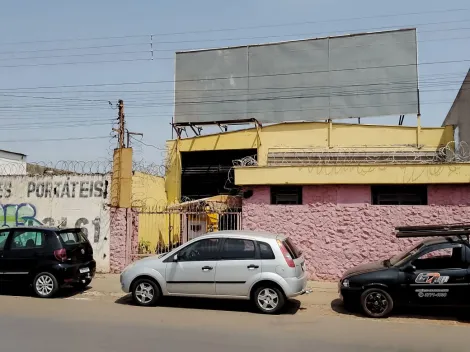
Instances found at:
x=45 y=258
x=435 y=272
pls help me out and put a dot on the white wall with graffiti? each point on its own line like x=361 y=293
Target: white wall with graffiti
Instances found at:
x=69 y=201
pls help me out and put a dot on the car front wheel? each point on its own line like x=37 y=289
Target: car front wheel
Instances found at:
x=269 y=299
x=45 y=285
x=376 y=303
x=145 y=292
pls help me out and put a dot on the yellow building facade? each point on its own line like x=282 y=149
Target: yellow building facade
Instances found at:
x=324 y=137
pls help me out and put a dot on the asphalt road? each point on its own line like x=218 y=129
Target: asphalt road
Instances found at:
x=29 y=324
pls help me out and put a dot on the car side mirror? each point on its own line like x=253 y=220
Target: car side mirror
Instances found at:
x=410 y=268
x=175 y=258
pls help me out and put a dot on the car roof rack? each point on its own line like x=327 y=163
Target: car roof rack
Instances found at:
x=433 y=231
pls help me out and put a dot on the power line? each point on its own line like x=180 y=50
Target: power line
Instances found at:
x=310 y=34
x=72 y=48
x=79 y=63
x=234 y=77
x=241 y=28
x=149 y=52
x=53 y=139
x=55 y=98
x=423 y=78
x=432 y=81
x=148 y=145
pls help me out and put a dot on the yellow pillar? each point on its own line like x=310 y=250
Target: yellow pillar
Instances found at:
x=121 y=183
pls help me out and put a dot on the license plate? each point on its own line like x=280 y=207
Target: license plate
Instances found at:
x=84 y=270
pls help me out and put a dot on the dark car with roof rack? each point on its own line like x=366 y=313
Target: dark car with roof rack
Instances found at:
x=45 y=258
x=434 y=272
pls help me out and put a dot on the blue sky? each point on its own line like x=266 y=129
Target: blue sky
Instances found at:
x=49 y=90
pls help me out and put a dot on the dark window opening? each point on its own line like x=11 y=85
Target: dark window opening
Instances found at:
x=238 y=249
x=200 y=251
x=400 y=195
x=27 y=239
x=210 y=173
x=286 y=195
x=265 y=251
x=447 y=256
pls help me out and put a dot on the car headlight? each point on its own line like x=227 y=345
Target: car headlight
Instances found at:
x=345 y=283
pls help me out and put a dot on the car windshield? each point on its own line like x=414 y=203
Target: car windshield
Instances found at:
x=405 y=255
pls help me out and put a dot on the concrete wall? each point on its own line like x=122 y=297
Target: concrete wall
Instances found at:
x=124 y=229
x=338 y=228
x=73 y=201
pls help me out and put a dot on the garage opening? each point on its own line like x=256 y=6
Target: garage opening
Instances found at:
x=210 y=173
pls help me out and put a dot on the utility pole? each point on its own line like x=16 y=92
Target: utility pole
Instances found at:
x=122 y=123
x=121 y=131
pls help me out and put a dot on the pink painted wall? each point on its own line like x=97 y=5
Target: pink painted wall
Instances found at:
x=337 y=227
x=120 y=253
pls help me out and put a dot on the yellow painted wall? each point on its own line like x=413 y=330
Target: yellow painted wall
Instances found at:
x=312 y=135
x=156 y=224
x=173 y=172
x=148 y=190
x=121 y=182
x=354 y=174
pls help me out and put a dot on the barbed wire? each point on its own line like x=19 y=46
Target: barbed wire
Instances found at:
x=62 y=167
x=75 y=167
x=149 y=168
x=246 y=161
x=152 y=205
x=451 y=153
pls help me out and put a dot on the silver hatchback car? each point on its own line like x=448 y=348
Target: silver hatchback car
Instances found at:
x=262 y=267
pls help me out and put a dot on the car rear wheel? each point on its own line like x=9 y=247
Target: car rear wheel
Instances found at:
x=145 y=292
x=376 y=303
x=45 y=285
x=269 y=299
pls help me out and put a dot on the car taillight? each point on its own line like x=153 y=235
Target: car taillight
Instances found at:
x=61 y=254
x=287 y=256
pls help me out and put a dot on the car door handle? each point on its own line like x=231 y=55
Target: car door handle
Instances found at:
x=253 y=266
x=207 y=268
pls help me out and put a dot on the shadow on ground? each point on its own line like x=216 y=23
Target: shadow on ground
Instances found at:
x=292 y=306
x=27 y=291
x=422 y=313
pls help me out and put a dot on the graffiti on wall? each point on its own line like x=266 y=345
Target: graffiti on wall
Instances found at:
x=68 y=189
x=25 y=214
x=66 y=201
